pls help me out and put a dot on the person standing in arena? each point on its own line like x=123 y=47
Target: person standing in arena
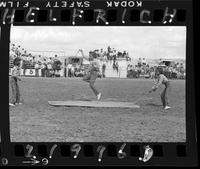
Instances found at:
x=103 y=70
x=37 y=67
x=92 y=74
x=15 y=92
x=162 y=79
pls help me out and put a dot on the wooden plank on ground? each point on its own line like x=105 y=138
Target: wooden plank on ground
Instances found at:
x=77 y=103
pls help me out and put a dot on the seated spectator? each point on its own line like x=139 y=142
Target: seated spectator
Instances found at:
x=124 y=54
x=55 y=58
x=139 y=62
x=144 y=61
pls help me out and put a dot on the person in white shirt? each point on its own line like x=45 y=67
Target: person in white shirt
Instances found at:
x=91 y=74
x=69 y=66
x=72 y=70
x=37 y=67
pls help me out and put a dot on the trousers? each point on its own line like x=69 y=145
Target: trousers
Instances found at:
x=91 y=78
x=15 y=92
x=164 y=95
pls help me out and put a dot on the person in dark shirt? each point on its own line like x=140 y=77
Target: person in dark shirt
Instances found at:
x=162 y=79
x=15 y=92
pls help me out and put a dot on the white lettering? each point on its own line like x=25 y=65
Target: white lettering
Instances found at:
x=51 y=16
x=79 y=4
x=131 y=4
x=26 y=5
x=76 y=148
x=11 y=3
x=2 y=4
x=101 y=14
x=72 y=5
x=142 y=16
x=64 y=4
x=116 y=4
x=76 y=14
x=123 y=15
x=124 y=3
x=6 y=16
x=48 y=5
x=168 y=15
x=100 y=149
x=139 y=3
x=87 y=3
x=109 y=4
x=30 y=13
x=56 y=5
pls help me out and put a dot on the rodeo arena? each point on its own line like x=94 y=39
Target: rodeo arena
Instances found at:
x=124 y=111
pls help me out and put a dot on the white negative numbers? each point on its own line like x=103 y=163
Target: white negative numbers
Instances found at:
x=76 y=148
x=30 y=149
x=4 y=161
x=31 y=71
x=147 y=154
x=100 y=150
x=120 y=153
x=52 y=150
x=168 y=17
x=45 y=161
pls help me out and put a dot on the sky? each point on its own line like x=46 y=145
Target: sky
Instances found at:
x=153 y=42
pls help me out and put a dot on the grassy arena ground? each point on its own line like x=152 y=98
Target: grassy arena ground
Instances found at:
x=37 y=121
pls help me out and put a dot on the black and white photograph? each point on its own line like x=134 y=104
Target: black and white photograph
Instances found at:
x=97 y=84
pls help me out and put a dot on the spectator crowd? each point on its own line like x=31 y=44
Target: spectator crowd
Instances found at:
x=141 y=68
x=49 y=66
x=108 y=54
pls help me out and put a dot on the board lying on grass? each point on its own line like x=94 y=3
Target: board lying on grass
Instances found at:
x=74 y=103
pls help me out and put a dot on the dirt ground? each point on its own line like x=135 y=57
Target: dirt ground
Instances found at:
x=36 y=121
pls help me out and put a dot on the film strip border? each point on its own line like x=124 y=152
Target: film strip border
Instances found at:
x=123 y=154
x=98 y=13
x=157 y=12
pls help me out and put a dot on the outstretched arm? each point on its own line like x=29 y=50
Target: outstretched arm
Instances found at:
x=83 y=54
x=157 y=84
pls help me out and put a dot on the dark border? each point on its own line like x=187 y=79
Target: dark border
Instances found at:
x=171 y=151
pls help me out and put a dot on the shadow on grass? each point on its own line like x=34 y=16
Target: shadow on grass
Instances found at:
x=153 y=104
x=83 y=99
